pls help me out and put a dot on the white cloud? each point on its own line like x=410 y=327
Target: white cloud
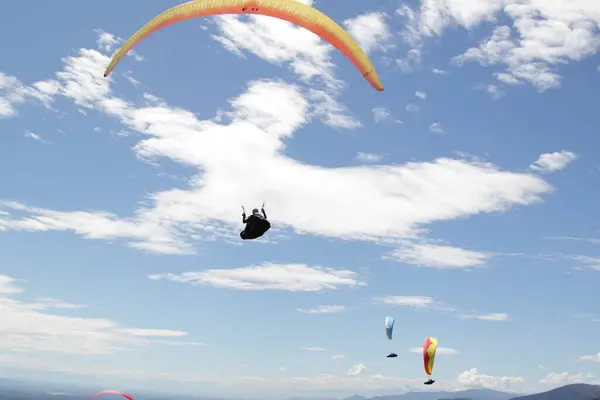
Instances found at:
x=382 y=114
x=106 y=41
x=411 y=35
x=494 y=91
x=410 y=107
x=421 y=95
x=551 y=162
x=473 y=379
x=411 y=61
x=44 y=303
x=356 y=369
x=369 y=157
x=30 y=326
x=587 y=262
x=438 y=71
x=8 y=285
x=467 y=379
x=429 y=303
x=314 y=349
x=22 y=362
x=403 y=197
x=154 y=332
x=13 y=93
x=290 y=277
x=279 y=42
x=34 y=136
x=337 y=357
x=408 y=301
x=593 y=358
x=487 y=317
x=440 y=350
x=370 y=31
x=437 y=256
x=324 y=309
x=436 y=127
x=546 y=35
x=565 y=378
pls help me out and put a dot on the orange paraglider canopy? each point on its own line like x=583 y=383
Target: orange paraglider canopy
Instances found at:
x=288 y=10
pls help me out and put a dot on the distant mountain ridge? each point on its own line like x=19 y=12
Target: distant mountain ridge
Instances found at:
x=19 y=390
x=578 y=391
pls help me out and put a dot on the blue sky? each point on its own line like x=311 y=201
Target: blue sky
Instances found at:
x=461 y=200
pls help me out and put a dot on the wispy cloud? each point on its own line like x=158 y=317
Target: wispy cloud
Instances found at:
x=439 y=256
x=436 y=127
x=410 y=107
x=551 y=162
x=369 y=157
x=287 y=277
x=324 y=309
x=34 y=136
x=487 y=317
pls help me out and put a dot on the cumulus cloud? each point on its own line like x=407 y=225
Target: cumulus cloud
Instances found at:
x=592 y=357
x=370 y=30
x=357 y=369
x=288 y=277
x=403 y=197
x=551 y=162
x=564 y=378
x=540 y=37
x=421 y=95
x=278 y=42
x=439 y=256
x=330 y=309
x=13 y=93
x=32 y=326
x=381 y=114
x=467 y=379
x=473 y=379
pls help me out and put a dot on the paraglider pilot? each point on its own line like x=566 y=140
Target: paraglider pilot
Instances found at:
x=392 y=355
x=429 y=382
x=256 y=224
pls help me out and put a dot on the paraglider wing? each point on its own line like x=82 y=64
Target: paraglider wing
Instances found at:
x=113 y=392
x=429 y=349
x=389 y=327
x=288 y=10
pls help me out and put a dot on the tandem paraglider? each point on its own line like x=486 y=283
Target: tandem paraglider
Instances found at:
x=256 y=224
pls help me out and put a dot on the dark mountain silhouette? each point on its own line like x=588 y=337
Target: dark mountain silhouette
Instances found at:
x=578 y=391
